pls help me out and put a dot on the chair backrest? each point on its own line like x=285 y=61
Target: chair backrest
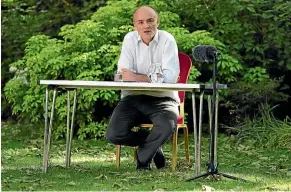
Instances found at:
x=185 y=66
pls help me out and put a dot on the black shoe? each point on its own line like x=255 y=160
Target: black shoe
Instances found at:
x=142 y=166
x=159 y=158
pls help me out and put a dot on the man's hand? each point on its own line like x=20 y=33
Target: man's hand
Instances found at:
x=128 y=75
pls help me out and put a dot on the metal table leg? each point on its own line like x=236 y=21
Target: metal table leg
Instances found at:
x=200 y=129
x=216 y=123
x=197 y=131
x=216 y=128
x=45 y=135
x=68 y=128
x=48 y=129
x=69 y=136
x=196 y=149
x=210 y=115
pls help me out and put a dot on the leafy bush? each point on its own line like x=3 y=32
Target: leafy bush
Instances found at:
x=255 y=31
x=89 y=50
x=245 y=97
x=255 y=75
x=21 y=19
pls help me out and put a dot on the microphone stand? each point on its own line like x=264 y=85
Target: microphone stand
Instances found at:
x=212 y=166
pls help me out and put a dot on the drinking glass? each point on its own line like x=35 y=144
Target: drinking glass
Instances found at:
x=156 y=73
x=118 y=77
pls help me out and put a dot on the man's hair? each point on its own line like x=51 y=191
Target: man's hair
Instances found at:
x=145 y=6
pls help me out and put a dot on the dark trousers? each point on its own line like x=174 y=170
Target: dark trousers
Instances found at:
x=134 y=110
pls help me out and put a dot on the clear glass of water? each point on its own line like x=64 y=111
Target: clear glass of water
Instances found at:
x=156 y=73
x=118 y=76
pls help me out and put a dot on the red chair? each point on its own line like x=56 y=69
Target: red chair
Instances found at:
x=185 y=66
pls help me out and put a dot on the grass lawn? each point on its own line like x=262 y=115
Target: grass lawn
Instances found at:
x=94 y=169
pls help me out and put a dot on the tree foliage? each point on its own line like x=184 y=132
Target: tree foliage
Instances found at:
x=258 y=32
x=251 y=35
x=22 y=19
x=89 y=50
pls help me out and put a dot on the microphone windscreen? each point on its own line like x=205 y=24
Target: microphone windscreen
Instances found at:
x=204 y=53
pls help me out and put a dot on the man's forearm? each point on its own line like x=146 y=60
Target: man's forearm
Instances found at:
x=142 y=78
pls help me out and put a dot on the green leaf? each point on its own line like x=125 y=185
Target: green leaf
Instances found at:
x=251 y=9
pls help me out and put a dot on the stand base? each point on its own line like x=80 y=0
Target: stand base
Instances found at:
x=214 y=174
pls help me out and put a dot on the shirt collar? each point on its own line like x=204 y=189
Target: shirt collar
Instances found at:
x=156 y=37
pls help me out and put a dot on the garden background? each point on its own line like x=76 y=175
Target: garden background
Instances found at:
x=81 y=40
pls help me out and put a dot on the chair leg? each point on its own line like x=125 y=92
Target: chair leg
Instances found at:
x=186 y=144
x=118 y=148
x=175 y=148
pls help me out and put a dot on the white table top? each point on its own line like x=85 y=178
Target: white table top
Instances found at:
x=128 y=85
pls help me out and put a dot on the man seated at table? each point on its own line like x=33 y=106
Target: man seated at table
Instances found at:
x=140 y=49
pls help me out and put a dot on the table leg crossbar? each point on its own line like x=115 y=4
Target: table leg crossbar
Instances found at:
x=198 y=130
x=49 y=127
x=212 y=165
x=70 y=126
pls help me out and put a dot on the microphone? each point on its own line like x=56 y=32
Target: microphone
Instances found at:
x=205 y=53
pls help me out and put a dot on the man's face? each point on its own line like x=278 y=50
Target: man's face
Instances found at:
x=146 y=23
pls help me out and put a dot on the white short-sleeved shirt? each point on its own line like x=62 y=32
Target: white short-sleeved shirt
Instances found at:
x=136 y=55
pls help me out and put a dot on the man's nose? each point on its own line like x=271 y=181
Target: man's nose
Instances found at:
x=145 y=25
